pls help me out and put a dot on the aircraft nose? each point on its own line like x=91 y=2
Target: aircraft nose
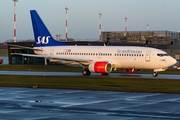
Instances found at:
x=172 y=61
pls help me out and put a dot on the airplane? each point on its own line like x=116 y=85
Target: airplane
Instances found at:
x=98 y=59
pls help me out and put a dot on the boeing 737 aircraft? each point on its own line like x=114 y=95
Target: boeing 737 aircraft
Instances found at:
x=98 y=59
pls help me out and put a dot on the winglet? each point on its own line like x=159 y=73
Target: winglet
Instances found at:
x=41 y=33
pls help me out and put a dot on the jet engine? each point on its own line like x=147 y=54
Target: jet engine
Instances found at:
x=100 y=67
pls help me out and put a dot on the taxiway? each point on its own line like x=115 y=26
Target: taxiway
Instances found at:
x=111 y=75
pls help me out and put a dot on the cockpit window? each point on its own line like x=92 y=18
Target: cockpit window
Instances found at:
x=162 y=54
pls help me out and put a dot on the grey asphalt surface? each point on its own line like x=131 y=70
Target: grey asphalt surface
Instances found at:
x=5 y=60
x=52 y=104
x=111 y=75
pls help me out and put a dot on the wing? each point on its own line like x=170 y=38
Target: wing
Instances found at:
x=59 y=59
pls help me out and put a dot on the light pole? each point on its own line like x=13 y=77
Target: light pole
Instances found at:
x=100 y=26
x=15 y=19
x=66 y=23
x=147 y=27
x=125 y=29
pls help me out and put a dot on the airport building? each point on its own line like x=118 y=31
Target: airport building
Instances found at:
x=165 y=40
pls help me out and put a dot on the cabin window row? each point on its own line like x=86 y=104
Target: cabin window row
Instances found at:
x=92 y=54
x=140 y=55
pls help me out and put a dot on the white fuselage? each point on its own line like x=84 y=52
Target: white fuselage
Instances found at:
x=125 y=57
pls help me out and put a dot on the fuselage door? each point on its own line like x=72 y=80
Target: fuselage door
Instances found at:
x=147 y=56
x=52 y=52
x=99 y=55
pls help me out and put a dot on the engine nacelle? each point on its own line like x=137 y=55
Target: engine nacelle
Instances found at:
x=132 y=70
x=100 y=67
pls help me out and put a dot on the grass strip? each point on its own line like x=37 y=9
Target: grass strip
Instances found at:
x=43 y=68
x=3 y=52
x=93 y=83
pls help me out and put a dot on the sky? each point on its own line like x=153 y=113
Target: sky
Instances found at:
x=83 y=17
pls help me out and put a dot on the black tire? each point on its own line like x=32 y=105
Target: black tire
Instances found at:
x=86 y=72
x=105 y=74
x=155 y=74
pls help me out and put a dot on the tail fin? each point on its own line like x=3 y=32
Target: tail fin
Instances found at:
x=41 y=33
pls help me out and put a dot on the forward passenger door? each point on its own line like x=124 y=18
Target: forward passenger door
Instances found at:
x=147 y=56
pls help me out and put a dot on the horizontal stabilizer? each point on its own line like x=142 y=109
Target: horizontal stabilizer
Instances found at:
x=24 y=47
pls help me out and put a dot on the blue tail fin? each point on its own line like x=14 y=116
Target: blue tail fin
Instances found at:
x=41 y=33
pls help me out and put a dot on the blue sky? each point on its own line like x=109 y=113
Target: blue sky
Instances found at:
x=83 y=16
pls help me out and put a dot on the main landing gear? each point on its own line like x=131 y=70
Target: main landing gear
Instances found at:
x=105 y=74
x=86 y=72
x=155 y=74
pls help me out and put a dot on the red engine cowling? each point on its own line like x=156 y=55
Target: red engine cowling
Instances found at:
x=100 y=67
x=132 y=70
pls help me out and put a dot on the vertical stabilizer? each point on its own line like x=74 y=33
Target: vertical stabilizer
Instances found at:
x=41 y=33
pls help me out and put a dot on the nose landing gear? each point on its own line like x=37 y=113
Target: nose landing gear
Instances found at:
x=155 y=74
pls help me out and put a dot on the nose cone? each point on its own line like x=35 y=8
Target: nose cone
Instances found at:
x=172 y=61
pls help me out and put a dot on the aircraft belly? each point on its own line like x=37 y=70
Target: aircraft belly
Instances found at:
x=132 y=63
x=153 y=64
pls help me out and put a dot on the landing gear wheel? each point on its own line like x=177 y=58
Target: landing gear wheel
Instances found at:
x=86 y=72
x=155 y=74
x=104 y=73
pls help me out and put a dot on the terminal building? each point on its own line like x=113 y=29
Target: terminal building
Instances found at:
x=165 y=40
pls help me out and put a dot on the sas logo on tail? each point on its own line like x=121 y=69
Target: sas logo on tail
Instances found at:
x=43 y=40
